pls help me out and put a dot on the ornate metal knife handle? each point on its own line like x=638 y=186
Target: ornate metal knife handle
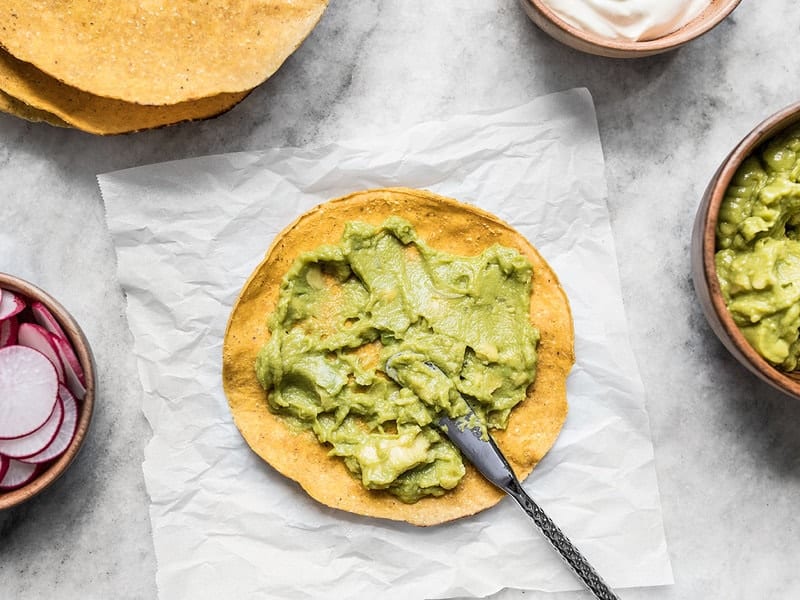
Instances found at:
x=479 y=448
x=477 y=445
x=561 y=543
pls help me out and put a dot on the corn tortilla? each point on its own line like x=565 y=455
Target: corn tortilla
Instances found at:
x=156 y=52
x=444 y=224
x=12 y=106
x=94 y=114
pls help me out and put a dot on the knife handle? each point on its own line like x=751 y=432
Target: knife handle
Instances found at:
x=561 y=543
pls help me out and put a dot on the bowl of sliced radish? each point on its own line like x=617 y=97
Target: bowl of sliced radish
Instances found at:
x=47 y=384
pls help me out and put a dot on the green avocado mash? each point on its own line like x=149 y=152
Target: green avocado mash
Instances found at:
x=758 y=242
x=345 y=309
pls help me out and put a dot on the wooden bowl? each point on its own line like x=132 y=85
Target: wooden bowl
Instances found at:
x=704 y=272
x=547 y=20
x=79 y=343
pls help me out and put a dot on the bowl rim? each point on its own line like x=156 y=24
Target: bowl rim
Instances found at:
x=769 y=127
x=83 y=351
x=697 y=27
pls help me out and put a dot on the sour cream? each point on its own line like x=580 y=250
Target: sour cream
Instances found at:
x=633 y=20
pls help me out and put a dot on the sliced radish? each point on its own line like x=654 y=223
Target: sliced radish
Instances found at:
x=35 y=442
x=73 y=372
x=10 y=304
x=46 y=319
x=37 y=337
x=4 y=460
x=8 y=331
x=18 y=474
x=28 y=390
x=65 y=433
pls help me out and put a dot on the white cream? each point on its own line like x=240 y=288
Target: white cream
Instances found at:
x=634 y=20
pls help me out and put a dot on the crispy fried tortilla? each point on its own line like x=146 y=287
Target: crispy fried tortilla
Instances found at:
x=42 y=98
x=444 y=224
x=156 y=52
x=12 y=106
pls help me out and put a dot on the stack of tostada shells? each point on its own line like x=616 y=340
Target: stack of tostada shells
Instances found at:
x=110 y=67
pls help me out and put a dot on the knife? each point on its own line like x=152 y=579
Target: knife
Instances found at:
x=470 y=436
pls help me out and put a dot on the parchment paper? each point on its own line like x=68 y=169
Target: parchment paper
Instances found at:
x=225 y=525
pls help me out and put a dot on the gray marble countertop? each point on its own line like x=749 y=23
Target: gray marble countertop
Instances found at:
x=726 y=446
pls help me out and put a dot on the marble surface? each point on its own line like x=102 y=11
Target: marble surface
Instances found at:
x=726 y=447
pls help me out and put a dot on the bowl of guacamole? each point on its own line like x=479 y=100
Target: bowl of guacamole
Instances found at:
x=746 y=251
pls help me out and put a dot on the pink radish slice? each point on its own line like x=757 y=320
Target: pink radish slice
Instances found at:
x=46 y=319
x=10 y=304
x=18 y=474
x=37 y=337
x=8 y=331
x=74 y=383
x=35 y=442
x=73 y=373
x=65 y=433
x=4 y=460
x=28 y=390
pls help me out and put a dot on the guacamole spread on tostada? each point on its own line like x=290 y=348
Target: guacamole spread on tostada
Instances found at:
x=344 y=309
x=456 y=298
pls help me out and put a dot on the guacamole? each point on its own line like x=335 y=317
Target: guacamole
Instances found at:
x=758 y=243
x=345 y=309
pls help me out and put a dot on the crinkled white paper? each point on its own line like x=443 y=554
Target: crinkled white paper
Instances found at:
x=225 y=525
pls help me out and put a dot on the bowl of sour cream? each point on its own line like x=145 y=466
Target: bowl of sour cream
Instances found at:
x=627 y=28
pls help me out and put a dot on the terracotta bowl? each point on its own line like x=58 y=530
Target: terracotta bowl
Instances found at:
x=54 y=469
x=553 y=25
x=704 y=273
